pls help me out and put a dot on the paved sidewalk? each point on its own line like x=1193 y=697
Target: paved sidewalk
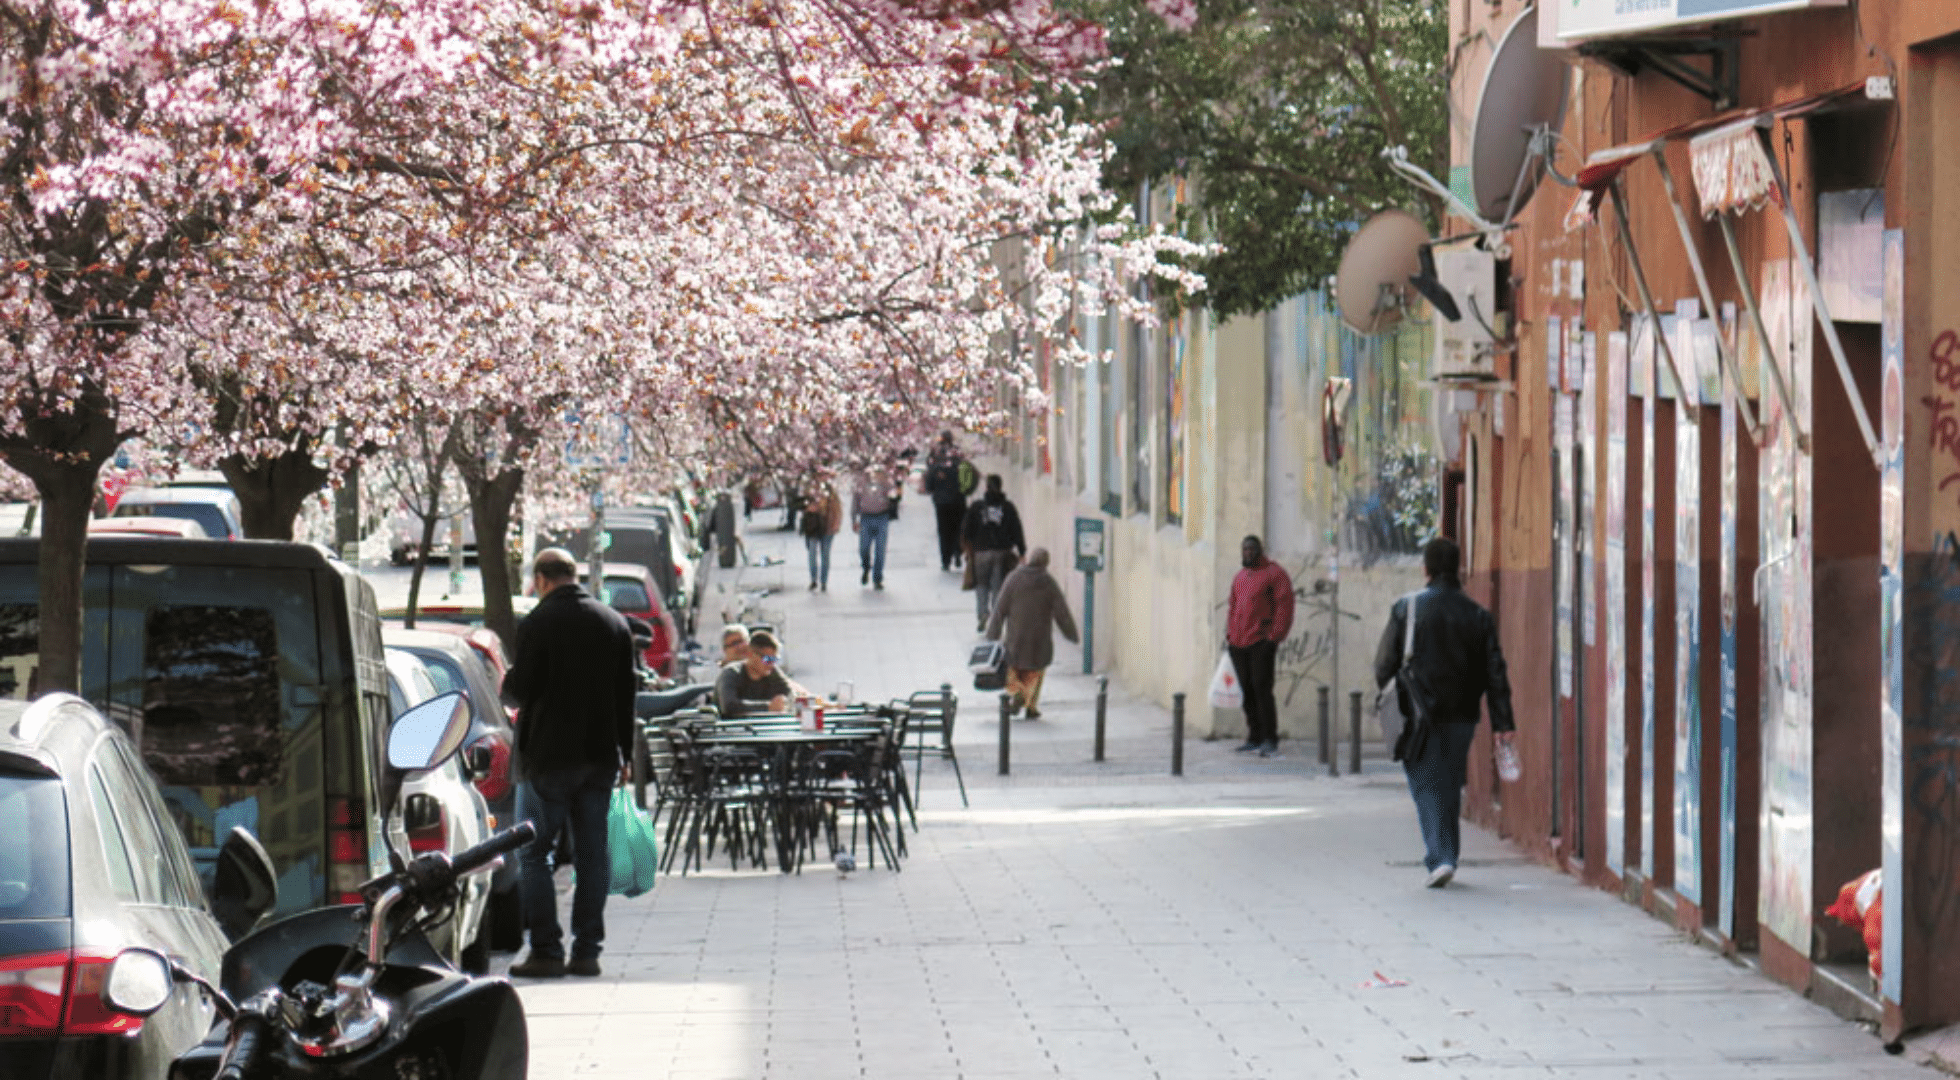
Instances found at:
x=1251 y=919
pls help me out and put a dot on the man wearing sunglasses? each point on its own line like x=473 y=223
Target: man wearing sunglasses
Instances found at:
x=756 y=678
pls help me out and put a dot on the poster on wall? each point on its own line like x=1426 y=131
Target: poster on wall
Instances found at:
x=1891 y=570
x=1616 y=600
x=1563 y=438
x=1687 y=618
x=1647 y=360
x=1588 y=448
x=1785 y=504
x=1725 y=901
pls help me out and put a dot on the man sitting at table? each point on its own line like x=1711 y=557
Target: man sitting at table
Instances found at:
x=734 y=644
x=754 y=679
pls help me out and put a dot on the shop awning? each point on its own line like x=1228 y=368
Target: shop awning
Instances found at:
x=1735 y=172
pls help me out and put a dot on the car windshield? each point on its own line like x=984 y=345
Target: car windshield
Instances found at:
x=625 y=594
x=34 y=860
x=209 y=518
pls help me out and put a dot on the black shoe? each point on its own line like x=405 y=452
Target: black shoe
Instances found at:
x=587 y=966
x=1034 y=714
x=879 y=585
x=945 y=568
x=1270 y=749
x=865 y=578
x=825 y=588
x=1247 y=747
x=539 y=967
x=813 y=586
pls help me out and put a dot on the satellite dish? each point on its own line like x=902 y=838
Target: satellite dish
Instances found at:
x=1524 y=90
x=1372 y=286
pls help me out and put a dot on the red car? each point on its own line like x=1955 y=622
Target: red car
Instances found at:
x=631 y=591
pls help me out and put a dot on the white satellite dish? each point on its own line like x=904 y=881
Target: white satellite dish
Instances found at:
x=1525 y=88
x=1372 y=286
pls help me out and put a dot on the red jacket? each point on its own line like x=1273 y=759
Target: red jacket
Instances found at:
x=1261 y=607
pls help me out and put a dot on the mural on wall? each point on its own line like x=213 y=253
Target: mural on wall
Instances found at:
x=1617 y=362
x=1689 y=336
x=1785 y=477
x=1651 y=374
x=1891 y=578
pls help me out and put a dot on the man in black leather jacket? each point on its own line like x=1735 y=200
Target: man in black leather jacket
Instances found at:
x=1456 y=662
x=574 y=682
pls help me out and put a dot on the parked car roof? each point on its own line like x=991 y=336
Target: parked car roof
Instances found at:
x=177 y=528
x=133 y=549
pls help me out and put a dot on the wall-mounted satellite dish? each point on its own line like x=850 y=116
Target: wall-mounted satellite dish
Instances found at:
x=1372 y=286
x=1524 y=93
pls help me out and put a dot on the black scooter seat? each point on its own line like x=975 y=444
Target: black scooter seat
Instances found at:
x=652 y=704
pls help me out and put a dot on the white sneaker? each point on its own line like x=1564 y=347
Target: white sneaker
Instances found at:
x=1441 y=876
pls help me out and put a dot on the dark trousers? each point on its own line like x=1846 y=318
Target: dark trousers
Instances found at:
x=1436 y=782
x=1254 y=665
x=951 y=516
x=548 y=800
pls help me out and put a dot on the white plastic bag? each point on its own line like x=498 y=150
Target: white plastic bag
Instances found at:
x=1226 y=693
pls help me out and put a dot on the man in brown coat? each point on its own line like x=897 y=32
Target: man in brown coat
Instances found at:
x=1029 y=607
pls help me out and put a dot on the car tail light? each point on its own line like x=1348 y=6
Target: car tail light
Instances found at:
x=495 y=784
x=432 y=837
x=58 y=993
x=347 y=862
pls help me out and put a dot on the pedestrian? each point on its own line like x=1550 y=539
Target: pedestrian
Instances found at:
x=1257 y=618
x=1455 y=660
x=1028 y=610
x=993 y=530
x=944 y=470
x=573 y=681
x=823 y=516
x=873 y=505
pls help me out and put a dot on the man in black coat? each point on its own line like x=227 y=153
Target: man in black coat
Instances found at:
x=948 y=498
x=1456 y=663
x=574 y=682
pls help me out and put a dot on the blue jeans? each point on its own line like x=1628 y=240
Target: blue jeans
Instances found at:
x=819 y=547
x=548 y=800
x=873 y=530
x=1436 y=782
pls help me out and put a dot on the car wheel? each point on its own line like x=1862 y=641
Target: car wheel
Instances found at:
x=504 y=916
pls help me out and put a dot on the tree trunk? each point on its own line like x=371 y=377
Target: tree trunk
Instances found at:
x=63 y=455
x=272 y=490
x=491 y=498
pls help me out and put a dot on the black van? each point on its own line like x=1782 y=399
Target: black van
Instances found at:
x=637 y=538
x=250 y=675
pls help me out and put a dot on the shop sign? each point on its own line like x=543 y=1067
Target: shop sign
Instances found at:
x=1582 y=20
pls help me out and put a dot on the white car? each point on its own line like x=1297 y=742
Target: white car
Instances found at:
x=216 y=510
x=442 y=811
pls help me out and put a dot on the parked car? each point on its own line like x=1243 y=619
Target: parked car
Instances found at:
x=631 y=592
x=456 y=661
x=217 y=510
x=442 y=811
x=250 y=676
x=638 y=539
x=467 y=614
x=162 y=527
x=686 y=556
x=92 y=865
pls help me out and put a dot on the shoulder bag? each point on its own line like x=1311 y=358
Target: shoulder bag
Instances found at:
x=1394 y=722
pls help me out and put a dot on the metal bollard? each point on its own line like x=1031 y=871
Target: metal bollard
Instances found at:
x=1326 y=752
x=1177 y=733
x=1006 y=714
x=1102 y=712
x=1354 y=732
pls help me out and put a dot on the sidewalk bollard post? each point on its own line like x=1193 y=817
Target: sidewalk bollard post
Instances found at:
x=1326 y=752
x=1006 y=714
x=1102 y=712
x=1177 y=733
x=1354 y=732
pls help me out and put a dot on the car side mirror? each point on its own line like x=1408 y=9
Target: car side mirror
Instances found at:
x=430 y=733
x=139 y=982
x=245 y=886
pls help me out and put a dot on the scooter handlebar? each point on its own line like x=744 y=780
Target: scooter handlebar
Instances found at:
x=247 y=1041
x=503 y=843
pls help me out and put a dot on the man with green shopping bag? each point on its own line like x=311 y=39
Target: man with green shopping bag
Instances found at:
x=573 y=681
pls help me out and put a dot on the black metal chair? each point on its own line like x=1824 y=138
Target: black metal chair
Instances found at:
x=930 y=730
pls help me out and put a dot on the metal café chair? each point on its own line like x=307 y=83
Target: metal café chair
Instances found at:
x=931 y=732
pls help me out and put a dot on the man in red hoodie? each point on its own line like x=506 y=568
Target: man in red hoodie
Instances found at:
x=1258 y=619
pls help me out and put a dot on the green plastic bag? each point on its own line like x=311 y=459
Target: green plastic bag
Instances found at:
x=631 y=842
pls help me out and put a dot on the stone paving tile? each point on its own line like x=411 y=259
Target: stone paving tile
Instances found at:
x=1109 y=920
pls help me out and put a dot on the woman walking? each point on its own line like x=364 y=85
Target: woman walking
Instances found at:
x=823 y=515
x=1029 y=608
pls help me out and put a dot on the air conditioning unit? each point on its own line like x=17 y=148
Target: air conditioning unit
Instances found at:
x=1465 y=349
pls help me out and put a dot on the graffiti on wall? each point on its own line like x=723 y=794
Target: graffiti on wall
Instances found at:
x=1891 y=615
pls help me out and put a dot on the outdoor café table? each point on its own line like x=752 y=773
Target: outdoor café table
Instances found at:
x=786 y=747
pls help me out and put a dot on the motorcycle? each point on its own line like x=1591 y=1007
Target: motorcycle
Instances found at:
x=352 y=990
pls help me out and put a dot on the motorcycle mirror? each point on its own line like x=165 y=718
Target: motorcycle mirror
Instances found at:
x=428 y=734
x=245 y=886
x=139 y=982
